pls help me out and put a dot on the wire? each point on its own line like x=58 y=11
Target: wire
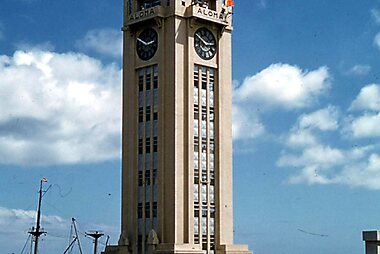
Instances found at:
x=310 y=233
x=60 y=191
x=57 y=236
x=46 y=190
x=27 y=240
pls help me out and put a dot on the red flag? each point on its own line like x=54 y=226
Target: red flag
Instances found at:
x=230 y=3
x=44 y=180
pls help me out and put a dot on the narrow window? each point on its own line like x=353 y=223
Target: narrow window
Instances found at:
x=147 y=210
x=147 y=177
x=141 y=114
x=147 y=145
x=155 y=144
x=140 y=181
x=147 y=116
x=154 y=209
x=140 y=146
x=139 y=210
x=141 y=83
x=148 y=79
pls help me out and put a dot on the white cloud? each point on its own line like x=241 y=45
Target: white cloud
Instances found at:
x=324 y=119
x=366 y=126
x=318 y=156
x=58 y=108
x=310 y=175
x=366 y=174
x=359 y=70
x=104 y=41
x=376 y=15
x=326 y=165
x=319 y=163
x=278 y=86
x=301 y=137
x=283 y=85
x=368 y=98
x=15 y=223
x=376 y=41
x=303 y=133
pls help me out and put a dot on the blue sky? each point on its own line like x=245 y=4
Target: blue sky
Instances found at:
x=306 y=111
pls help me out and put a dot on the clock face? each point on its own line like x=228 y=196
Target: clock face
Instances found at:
x=146 y=44
x=205 y=43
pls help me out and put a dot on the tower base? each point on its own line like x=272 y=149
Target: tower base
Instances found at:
x=233 y=249
x=115 y=249
x=182 y=249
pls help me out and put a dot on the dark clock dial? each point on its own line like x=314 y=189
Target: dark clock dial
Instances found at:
x=146 y=44
x=205 y=43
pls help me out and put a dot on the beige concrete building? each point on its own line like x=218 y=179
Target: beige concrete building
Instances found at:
x=177 y=137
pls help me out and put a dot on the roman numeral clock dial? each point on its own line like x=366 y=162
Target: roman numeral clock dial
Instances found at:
x=205 y=43
x=147 y=44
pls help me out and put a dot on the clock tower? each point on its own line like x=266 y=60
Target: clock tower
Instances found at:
x=177 y=138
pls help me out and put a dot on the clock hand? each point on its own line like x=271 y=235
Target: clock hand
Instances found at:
x=143 y=42
x=200 y=37
x=150 y=42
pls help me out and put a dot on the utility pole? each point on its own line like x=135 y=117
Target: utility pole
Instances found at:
x=96 y=235
x=36 y=232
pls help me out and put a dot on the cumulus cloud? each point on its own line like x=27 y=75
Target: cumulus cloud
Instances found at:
x=15 y=223
x=58 y=109
x=359 y=70
x=324 y=119
x=104 y=41
x=368 y=98
x=301 y=137
x=365 y=126
x=322 y=164
x=319 y=156
x=283 y=85
x=318 y=159
x=303 y=132
x=280 y=86
x=365 y=174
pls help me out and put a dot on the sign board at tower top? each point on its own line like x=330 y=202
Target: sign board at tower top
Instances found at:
x=156 y=11
x=211 y=15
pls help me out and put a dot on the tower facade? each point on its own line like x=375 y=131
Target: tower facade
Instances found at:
x=177 y=137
